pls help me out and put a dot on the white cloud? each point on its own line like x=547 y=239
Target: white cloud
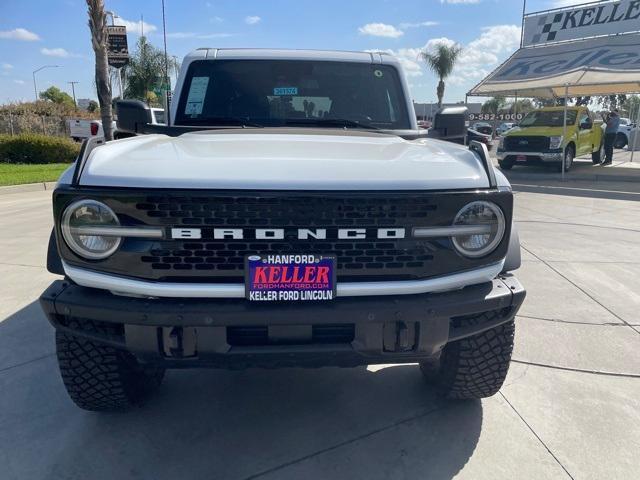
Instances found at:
x=216 y=19
x=380 y=30
x=137 y=28
x=19 y=34
x=484 y=53
x=477 y=59
x=428 y=23
x=58 y=52
x=7 y=66
x=19 y=82
x=252 y=20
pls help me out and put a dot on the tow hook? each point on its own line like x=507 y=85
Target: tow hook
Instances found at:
x=179 y=342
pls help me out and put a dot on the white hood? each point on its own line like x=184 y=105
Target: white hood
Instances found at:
x=246 y=159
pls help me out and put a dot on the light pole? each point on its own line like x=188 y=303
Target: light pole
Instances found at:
x=35 y=88
x=73 y=90
x=175 y=66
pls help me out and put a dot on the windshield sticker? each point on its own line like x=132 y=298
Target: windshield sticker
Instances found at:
x=197 y=92
x=378 y=73
x=285 y=91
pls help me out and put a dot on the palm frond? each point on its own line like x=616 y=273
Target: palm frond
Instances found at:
x=442 y=59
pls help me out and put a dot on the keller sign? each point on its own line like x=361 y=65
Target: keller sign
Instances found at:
x=619 y=53
x=117 y=48
x=582 y=21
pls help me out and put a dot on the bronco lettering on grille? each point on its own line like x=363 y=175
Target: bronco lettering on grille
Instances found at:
x=280 y=233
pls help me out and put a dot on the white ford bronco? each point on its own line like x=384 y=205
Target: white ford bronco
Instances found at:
x=290 y=213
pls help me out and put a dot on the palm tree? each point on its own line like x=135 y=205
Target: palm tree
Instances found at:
x=98 y=27
x=144 y=75
x=441 y=61
x=494 y=105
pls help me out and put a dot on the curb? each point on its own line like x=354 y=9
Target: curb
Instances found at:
x=573 y=177
x=27 y=187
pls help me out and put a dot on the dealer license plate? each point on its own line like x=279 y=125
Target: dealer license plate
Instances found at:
x=521 y=158
x=277 y=278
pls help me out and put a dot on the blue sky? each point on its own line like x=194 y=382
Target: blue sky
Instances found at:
x=34 y=33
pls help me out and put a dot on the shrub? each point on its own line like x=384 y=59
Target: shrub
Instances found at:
x=44 y=108
x=33 y=148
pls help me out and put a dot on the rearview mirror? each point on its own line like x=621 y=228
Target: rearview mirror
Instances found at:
x=132 y=115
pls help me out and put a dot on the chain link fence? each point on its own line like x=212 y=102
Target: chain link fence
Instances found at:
x=12 y=124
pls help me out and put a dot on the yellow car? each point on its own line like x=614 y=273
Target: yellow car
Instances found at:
x=538 y=138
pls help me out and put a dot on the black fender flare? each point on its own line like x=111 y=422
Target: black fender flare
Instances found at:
x=54 y=262
x=513 y=260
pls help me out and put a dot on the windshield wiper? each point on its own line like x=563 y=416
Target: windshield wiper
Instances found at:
x=225 y=121
x=331 y=122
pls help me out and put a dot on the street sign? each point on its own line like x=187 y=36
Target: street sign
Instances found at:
x=489 y=117
x=117 y=48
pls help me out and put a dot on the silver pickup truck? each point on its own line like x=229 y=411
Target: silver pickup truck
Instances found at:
x=290 y=213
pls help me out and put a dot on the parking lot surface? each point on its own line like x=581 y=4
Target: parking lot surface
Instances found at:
x=570 y=407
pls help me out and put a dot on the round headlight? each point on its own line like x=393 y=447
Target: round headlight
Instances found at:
x=78 y=220
x=486 y=228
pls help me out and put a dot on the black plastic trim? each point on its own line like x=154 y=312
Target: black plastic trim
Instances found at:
x=54 y=263
x=431 y=316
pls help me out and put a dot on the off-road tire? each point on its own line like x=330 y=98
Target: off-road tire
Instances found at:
x=474 y=367
x=505 y=165
x=100 y=377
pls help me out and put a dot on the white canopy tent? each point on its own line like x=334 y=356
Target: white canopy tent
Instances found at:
x=594 y=66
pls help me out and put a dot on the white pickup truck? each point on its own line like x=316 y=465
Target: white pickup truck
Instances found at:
x=290 y=214
x=80 y=129
x=624 y=132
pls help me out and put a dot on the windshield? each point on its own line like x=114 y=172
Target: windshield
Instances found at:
x=292 y=92
x=548 y=118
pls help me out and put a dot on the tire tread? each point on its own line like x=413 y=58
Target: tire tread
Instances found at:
x=474 y=367
x=101 y=377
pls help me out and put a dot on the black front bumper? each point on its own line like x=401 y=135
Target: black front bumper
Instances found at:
x=235 y=333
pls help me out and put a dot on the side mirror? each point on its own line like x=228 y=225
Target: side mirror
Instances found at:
x=132 y=115
x=586 y=125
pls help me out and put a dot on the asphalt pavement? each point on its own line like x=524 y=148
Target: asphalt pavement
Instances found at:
x=570 y=408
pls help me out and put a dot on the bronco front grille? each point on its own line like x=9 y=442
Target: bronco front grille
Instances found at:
x=326 y=211
x=359 y=256
x=227 y=257
x=222 y=260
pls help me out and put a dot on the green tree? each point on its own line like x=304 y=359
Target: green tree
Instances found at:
x=612 y=102
x=523 y=105
x=98 y=28
x=441 y=61
x=630 y=106
x=55 y=95
x=494 y=105
x=145 y=73
x=93 y=107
